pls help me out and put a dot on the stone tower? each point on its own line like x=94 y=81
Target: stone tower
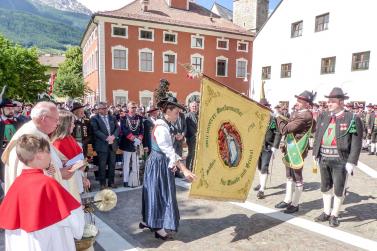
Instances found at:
x=250 y=14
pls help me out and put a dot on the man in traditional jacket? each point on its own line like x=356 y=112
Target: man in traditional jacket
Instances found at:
x=271 y=143
x=8 y=127
x=297 y=130
x=372 y=131
x=337 y=148
x=368 y=115
x=81 y=131
x=132 y=129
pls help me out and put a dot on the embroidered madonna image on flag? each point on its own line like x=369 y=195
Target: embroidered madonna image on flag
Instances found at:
x=230 y=136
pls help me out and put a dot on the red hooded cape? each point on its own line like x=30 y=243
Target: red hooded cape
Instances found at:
x=35 y=201
x=68 y=147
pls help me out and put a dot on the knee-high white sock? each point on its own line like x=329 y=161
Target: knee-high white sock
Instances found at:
x=288 y=191
x=372 y=147
x=327 y=202
x=297 y=194
x=262 y=181
x=337 y=204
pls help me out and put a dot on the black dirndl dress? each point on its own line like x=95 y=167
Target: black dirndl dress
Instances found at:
x=159 y=201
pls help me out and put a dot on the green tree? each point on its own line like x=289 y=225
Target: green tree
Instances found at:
x=70 y=81
x=21 y=71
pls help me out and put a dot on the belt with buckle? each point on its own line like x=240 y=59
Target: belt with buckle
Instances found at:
x=329 y=152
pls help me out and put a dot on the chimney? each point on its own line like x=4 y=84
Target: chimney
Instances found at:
x=179 y=4
x=144 y=5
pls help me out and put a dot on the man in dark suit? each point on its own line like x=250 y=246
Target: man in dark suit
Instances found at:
x=191 y=128
x=337 y=147
x=179 y=132
x=271 y=143
x=153 y=114
x=297 y=131
x=105 y=135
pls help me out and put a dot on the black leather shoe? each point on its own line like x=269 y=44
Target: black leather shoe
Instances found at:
x=282 y=204
x=142 y=226
x=125 y=184
x=370 y=153
x=113 y=186
x=322 y=218
x=257 y=188
x=260 y=195
x=162 y=237
x=334 y=222
x=179 y=175
x=291 y=209
x=103 y=187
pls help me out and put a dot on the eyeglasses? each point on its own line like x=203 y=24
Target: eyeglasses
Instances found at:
x=52 y=118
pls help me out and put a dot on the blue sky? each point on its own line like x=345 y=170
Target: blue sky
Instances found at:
x=228 y=3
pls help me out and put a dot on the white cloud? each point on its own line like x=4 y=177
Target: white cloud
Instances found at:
x=95 y=5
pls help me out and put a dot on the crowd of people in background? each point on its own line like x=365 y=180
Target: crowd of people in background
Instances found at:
x=107 y=135
x=78 y=138
x=126 y=132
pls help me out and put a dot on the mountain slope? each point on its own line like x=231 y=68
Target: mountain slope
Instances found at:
x=64 y=5
x=40 y=25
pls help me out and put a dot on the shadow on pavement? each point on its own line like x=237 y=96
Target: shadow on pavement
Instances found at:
x=194 y=229
x=362 y=212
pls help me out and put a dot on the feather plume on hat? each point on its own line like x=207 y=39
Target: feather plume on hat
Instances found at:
x=162 y=91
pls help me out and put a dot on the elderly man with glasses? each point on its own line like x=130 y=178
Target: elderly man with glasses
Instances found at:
x=44 y=121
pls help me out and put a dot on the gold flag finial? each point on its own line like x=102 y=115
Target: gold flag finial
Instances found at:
x=262 y=94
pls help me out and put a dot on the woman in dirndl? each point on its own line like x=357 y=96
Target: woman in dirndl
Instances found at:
x=159 y=206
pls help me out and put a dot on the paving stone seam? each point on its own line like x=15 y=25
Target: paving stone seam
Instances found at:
x=110 y=240
x=367 y=170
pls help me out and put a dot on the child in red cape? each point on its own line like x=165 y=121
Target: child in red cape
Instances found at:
x=37 y=213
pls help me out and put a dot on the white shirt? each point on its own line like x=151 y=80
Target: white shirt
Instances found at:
x=56 y=237
x=164 y=141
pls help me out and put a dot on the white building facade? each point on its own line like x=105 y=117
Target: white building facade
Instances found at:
x=317 y=45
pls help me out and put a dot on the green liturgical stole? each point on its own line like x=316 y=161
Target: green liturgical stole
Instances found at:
x=295 y=149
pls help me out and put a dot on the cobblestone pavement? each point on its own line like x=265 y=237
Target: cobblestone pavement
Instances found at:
x=359 y=212
x=211 y=225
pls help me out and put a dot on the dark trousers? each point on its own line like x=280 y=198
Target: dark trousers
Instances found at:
x=106 y=159
x=294 y=174
x=264 y=161
x=178 y=147
x=333 y=174
x=191 y=153
x=374 y=137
